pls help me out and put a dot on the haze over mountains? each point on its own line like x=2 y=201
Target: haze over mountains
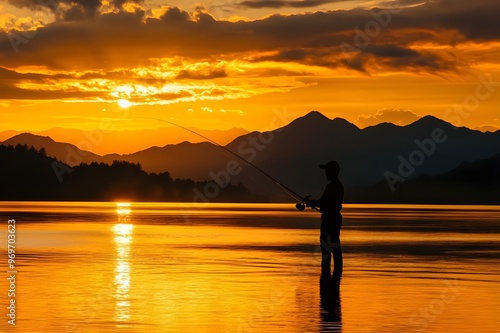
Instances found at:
x=107 y=142
x=384 y=153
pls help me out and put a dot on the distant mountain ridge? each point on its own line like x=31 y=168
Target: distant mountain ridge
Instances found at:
x=103 y=142
x=365 y=155
x=292 y=153
x=469 y=183
x=27 y=174
x=70 y=154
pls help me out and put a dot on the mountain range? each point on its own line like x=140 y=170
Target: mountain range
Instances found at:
x=105 y=142
x=385 y=156
x=470 y=183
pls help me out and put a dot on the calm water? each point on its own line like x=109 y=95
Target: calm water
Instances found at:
x=103 y=267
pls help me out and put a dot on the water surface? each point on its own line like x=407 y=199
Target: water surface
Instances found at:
x=156 y=267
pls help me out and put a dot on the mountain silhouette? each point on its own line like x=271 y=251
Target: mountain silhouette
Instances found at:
x=28 y=174
x=365 y=155
x=103 y=142
x=66 y=152
x=475 y=182
x=292 y=153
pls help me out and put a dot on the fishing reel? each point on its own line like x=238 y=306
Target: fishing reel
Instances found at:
x=302 y=205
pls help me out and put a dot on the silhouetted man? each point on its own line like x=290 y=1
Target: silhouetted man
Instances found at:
x=330 y=205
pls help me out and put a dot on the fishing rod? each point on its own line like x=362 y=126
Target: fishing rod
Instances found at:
x=300 y=205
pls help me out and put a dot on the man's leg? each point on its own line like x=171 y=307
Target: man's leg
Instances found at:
x=338 y=260
x=325 y=254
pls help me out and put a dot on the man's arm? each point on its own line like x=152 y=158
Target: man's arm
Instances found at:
x=317 y=203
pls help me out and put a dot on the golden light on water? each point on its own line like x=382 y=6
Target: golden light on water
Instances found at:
x=123 y=209
x=123 y=233
x=255 y=270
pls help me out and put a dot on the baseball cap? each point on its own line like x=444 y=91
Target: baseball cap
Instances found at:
x=332 y=165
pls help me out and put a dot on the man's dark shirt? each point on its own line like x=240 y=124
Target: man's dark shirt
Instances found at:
x=330 y=202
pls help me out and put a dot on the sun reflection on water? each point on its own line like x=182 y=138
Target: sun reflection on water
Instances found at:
x=123 y=232
x=123 y=210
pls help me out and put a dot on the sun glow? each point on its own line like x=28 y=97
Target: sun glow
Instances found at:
x=123 y=103
x=123 y=208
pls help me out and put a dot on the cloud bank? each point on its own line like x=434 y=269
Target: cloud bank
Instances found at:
x=121 y=40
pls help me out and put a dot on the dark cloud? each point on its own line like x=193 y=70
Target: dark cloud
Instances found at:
x=71 y=10
x=270 y=72
x=473 y=19
x=7 y=75
x=377 y=56
x=285 y=3
x=12 y=92
x=10 y=80
x=201 y=75
x=396 y=57
x=76 y=86
x=12 y=75
x=162 y=97
x=293 y=55
x=390 y=51
x=122 y=39
x=401 y=3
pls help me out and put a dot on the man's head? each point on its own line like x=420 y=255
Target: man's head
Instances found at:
x=332 y=169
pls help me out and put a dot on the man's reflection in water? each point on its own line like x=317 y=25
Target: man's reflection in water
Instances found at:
x=331 y=313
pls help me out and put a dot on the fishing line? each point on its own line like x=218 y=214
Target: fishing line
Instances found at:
x=285 y=188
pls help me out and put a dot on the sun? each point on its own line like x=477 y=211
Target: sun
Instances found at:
x=123 y=103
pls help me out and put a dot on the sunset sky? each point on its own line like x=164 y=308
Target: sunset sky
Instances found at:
x=219 y=64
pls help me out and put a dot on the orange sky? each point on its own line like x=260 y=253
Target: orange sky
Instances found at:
x=223 y=64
